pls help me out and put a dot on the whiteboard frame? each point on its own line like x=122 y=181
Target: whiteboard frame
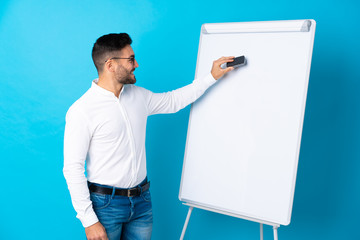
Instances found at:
x=307 y=25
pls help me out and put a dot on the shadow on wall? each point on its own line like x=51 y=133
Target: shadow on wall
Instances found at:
x=325 y=156
x=3 y=8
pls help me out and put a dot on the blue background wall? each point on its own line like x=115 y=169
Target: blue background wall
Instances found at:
x=45 y=65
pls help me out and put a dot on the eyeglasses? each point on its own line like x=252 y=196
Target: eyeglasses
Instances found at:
x=132 y=59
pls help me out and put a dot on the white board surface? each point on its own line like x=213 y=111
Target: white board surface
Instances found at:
x=244 y=134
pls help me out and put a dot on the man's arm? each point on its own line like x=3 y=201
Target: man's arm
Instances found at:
x=76 y=144
x=173 y=101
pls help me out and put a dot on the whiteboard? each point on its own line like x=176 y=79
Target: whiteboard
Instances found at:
x=244 y=133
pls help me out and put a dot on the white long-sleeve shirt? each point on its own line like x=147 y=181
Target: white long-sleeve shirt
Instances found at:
x=108 y=133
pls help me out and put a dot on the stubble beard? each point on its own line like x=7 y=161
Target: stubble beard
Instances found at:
x=126 y=77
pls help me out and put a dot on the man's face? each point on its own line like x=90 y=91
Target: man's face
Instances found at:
x=125 y=67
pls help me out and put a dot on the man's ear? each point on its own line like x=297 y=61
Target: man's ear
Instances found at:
x=109 y=67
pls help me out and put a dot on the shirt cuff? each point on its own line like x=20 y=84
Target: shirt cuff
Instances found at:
x=206 y=81
x=89 y=220
x=210 y=79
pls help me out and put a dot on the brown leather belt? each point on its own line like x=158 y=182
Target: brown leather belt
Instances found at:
x=131 y=192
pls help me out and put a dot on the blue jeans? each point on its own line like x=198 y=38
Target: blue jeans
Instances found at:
x=125 y=218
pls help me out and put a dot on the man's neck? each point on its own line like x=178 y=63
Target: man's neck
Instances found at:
x=110 y=85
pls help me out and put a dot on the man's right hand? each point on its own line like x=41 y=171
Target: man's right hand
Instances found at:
x=216 y=71
x=96 y=232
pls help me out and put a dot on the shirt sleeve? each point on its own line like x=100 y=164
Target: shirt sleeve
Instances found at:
x=170 y=102
x=76 y=144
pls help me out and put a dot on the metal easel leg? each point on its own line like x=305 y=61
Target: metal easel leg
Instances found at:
x=186 y=223
x=275 y=232
x=261 y=231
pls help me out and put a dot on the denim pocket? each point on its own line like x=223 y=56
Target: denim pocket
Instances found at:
x=146 y=196
x=100 y=201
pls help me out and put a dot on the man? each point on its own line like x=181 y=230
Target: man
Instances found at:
x=106 y=129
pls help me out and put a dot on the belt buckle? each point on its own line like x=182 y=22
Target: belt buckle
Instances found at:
x=129 y=194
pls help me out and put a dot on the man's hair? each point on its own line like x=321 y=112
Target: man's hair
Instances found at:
x=107 y=44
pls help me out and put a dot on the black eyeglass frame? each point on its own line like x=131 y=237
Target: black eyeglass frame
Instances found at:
x=132 y=59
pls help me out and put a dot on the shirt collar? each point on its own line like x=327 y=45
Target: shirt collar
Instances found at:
x=103 y=90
